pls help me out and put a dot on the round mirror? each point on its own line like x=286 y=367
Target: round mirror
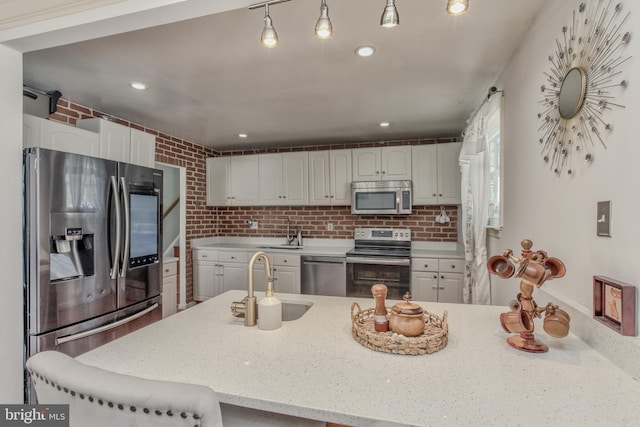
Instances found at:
x=572 y=93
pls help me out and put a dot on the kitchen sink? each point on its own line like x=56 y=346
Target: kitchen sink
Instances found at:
x=293 y=310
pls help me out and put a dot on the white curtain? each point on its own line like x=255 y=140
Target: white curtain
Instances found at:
x=474 y=167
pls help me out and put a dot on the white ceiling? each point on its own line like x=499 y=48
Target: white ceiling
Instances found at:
x=210 y=79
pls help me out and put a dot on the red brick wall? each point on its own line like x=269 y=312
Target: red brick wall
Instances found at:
x=272 y=222
x=201 y=220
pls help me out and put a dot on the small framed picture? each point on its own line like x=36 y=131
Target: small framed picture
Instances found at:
x=614 y=304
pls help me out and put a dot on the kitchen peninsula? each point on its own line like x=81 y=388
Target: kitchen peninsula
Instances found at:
x=312 y=368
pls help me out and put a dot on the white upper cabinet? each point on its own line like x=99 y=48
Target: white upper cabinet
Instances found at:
x=436 y=174
x=340 y=174
x=143 y=148
x=115 y=139
x=244 y=180
x=283 y=178
x=381 y=164
x=218 y=181
x=121 y=143
x=232 y=181
x=330 y=177
x=39 y=132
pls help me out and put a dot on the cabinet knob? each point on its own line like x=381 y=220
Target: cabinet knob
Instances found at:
x=166 y=270
x=384 y=172
x=326 y=196
x=435 y=276
x=453 y=267
x=233 y=257
x=332 y=197
x=426 y=266
x=434 y=194
x=377 y=172
x=439 y=195
x=442 y=277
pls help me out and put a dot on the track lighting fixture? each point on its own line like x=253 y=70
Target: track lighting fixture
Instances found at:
x=269 y=37
x=324 y=30
x=390 y=17
x=457 y=7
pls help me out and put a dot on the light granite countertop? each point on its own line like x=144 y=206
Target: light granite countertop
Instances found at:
x=313 y=368
x=326 y=247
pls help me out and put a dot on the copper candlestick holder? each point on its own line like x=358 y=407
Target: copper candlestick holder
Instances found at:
x=533 y=269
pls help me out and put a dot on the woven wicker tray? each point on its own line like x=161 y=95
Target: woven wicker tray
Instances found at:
x=434 y=337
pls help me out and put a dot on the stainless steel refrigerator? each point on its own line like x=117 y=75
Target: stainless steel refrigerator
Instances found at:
x=92 y=251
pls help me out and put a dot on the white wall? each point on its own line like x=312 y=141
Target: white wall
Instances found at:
x=559 y=213
x=11 y=220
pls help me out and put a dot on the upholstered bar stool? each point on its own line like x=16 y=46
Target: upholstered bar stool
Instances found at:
x=98 y=398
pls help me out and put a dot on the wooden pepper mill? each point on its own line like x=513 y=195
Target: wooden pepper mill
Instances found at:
x=380 y=318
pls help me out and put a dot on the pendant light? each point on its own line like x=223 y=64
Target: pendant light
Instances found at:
x=390 y=17
x=324 y=30
x=269 y=36
x=457 y=7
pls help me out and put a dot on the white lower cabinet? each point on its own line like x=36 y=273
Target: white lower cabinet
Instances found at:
x=233 y=270
x=437 y=280
x=206 y=276
x=286 y=273
x=169 y=287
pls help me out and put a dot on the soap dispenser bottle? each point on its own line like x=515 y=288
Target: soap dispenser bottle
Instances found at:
x=269 y=310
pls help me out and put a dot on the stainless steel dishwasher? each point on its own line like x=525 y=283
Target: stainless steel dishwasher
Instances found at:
x=323 y=275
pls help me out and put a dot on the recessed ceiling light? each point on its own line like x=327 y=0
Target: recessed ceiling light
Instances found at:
x=384 y=124
x=138 y=85
x=242 y=135
x=365 y=51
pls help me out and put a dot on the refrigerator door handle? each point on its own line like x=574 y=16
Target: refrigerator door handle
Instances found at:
x=115 y=262
x=103 y=328
x=127 y=227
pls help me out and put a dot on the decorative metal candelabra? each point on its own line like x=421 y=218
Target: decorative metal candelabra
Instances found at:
x=533 y=269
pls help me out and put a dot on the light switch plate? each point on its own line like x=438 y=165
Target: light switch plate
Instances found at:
x=604 y=219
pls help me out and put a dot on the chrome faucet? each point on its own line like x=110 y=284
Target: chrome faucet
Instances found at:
x=249 y=305
x=290 y=238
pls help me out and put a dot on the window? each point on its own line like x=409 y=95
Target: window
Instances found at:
x=494 y=139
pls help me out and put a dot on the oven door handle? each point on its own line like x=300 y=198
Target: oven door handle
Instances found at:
x=379 y=261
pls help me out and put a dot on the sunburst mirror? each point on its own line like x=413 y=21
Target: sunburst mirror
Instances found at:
x=581 y=84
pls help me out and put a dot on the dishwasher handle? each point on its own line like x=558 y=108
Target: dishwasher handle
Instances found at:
x=323 y=261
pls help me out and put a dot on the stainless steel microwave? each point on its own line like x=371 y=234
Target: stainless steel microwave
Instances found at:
x=381 y=197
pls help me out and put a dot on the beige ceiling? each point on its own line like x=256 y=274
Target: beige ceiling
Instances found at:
x=209 y=78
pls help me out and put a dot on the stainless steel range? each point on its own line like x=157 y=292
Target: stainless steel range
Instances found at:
x=380 y=255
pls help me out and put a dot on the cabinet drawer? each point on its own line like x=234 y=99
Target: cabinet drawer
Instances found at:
x=203 y=255
x=169 y=269
x=286 y=259
x=424 y=264
x=232 y=257
x=451 y=265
